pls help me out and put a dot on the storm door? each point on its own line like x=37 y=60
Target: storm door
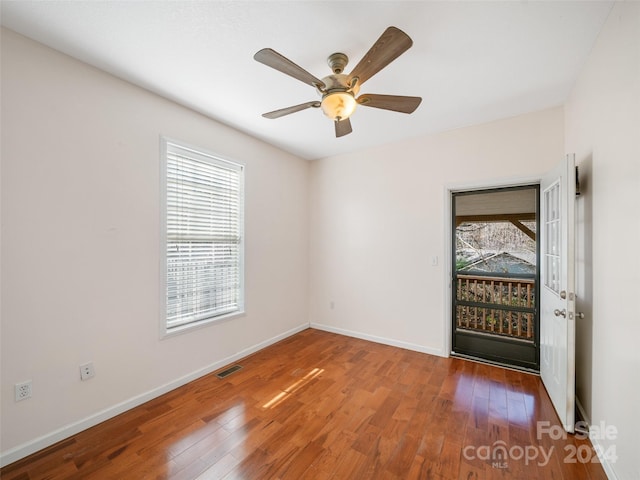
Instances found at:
x=496 y=276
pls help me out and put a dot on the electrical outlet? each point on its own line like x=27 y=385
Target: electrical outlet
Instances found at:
x=23 y=390
x=86 y=371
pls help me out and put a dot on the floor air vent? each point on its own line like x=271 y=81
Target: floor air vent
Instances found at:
x=228 y=371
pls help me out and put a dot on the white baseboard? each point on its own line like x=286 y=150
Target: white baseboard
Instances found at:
x=21 y=451
x=598 y=447
x=606 y=465
x=385 y=341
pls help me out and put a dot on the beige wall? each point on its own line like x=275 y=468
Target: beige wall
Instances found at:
x=378 y=218
x=80 y=252
x=602 y=126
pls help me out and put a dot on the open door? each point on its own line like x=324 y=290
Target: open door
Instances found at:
x=557 y=291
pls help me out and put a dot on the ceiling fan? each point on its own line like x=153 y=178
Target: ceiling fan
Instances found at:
x=338 y=91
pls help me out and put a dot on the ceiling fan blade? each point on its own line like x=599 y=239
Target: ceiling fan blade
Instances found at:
x=286 y=111
x=397 y=103
x=273 y=59
x=343 y=127
x=391 y=44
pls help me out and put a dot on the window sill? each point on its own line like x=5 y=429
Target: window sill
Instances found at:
x=189 y=327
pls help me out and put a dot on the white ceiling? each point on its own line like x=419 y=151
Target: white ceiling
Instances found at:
x=471 y=62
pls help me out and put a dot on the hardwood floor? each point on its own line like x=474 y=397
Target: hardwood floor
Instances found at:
x=323 y=406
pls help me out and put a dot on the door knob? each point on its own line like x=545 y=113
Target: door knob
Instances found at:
x=579 y=315
x=560 y=313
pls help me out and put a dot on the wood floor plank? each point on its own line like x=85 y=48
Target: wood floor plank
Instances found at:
x=322 y=406
x=219 y=469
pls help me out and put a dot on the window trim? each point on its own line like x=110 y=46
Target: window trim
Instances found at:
x=165 y=331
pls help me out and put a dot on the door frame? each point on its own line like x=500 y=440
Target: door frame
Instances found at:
x=448 y=240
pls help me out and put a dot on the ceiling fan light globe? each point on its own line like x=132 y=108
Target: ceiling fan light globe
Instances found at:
x=338 y=105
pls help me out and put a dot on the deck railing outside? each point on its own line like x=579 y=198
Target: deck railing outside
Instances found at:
x=497 y=305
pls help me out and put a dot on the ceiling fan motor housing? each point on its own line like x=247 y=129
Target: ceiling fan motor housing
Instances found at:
x=339 y=83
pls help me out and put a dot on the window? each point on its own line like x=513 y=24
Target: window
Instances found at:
x=552 y=252
x=202 y=237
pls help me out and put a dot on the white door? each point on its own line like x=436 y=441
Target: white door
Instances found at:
x=557 y=289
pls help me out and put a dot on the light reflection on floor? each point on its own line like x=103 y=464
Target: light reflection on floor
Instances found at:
x=282 y=396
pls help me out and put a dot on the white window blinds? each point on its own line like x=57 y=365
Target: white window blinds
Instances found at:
x=204 y=203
